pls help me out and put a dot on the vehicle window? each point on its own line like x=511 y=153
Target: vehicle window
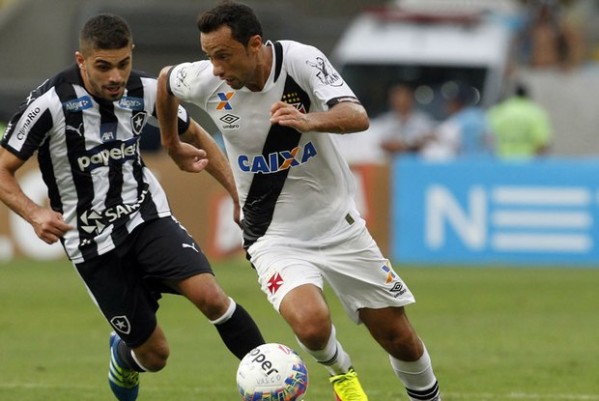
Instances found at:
x=370 y=82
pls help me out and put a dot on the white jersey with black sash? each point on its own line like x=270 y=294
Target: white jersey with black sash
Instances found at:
x=88 y=153
x=292 y=185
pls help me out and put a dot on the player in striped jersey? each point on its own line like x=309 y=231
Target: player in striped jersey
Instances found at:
x=278 y=106
x=106 y=207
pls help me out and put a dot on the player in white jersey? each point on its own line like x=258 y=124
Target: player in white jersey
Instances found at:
x=106 y=207
x=278 y=106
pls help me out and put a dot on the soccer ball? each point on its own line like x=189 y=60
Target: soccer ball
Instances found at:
x=272 y=372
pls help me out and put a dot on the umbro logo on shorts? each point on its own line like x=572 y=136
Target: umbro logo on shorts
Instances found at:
x=398 y=288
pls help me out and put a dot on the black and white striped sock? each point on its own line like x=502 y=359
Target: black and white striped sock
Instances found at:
x=430 y=394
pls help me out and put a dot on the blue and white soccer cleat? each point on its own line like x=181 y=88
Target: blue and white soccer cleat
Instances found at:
x=123 y=382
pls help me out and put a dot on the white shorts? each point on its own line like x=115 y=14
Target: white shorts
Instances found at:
x=351 y=263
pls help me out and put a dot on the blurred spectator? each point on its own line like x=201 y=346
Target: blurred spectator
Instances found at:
x=2 y=128
x=403 y=128
x=521 y=127
x=465 y=132
x=549 y=38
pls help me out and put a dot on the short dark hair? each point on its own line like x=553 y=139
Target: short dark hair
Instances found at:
x=105 y=31
x=240 y=18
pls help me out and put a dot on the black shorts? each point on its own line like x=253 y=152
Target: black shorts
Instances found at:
x=127 y=282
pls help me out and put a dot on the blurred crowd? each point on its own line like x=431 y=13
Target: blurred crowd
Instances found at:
x=548 y=34
x=514 y=128
x=554 y=33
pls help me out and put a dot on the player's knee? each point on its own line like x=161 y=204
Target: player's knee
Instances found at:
x=207 y=296
x=314 y=335
x=213 y=306
x=311 y=326
x=154 y=359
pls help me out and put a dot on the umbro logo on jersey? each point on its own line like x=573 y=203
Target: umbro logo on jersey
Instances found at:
x=81 y=103
x=224 y=100
x=229 y=121
x=229 y=118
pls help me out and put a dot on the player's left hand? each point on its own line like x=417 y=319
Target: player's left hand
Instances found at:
x=188 y=157
x=288 y=115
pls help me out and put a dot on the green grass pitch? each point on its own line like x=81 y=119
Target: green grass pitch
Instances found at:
x=514 y=334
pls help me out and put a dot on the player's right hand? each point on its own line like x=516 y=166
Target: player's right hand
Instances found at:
x=188 y=157
x=49 y=225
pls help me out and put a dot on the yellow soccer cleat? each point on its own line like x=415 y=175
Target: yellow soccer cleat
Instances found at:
x=347 y=387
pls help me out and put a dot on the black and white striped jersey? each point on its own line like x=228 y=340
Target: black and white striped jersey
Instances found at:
x=88 y=153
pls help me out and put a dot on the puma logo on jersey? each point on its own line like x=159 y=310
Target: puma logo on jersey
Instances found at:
x=77 y=130
x=277 y=161
x=192 y=246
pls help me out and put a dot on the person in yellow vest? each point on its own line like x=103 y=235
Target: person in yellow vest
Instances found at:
x=521 y=128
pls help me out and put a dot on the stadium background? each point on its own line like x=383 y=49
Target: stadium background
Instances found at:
x=496 y=334
x=38 y=37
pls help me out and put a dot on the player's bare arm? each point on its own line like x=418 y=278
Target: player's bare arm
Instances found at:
x=342 y=118
x=218 y=165
x=195 y=149
x=49 y=225
x=187 y=157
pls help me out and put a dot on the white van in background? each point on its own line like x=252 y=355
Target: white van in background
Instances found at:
x=427 y=43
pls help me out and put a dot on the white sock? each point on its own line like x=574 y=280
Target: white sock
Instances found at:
x=417 y=377
x=333 y=357
x=138 y=362
x=228 y=313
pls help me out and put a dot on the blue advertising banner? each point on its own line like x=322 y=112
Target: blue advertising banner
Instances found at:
x=485 y=211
